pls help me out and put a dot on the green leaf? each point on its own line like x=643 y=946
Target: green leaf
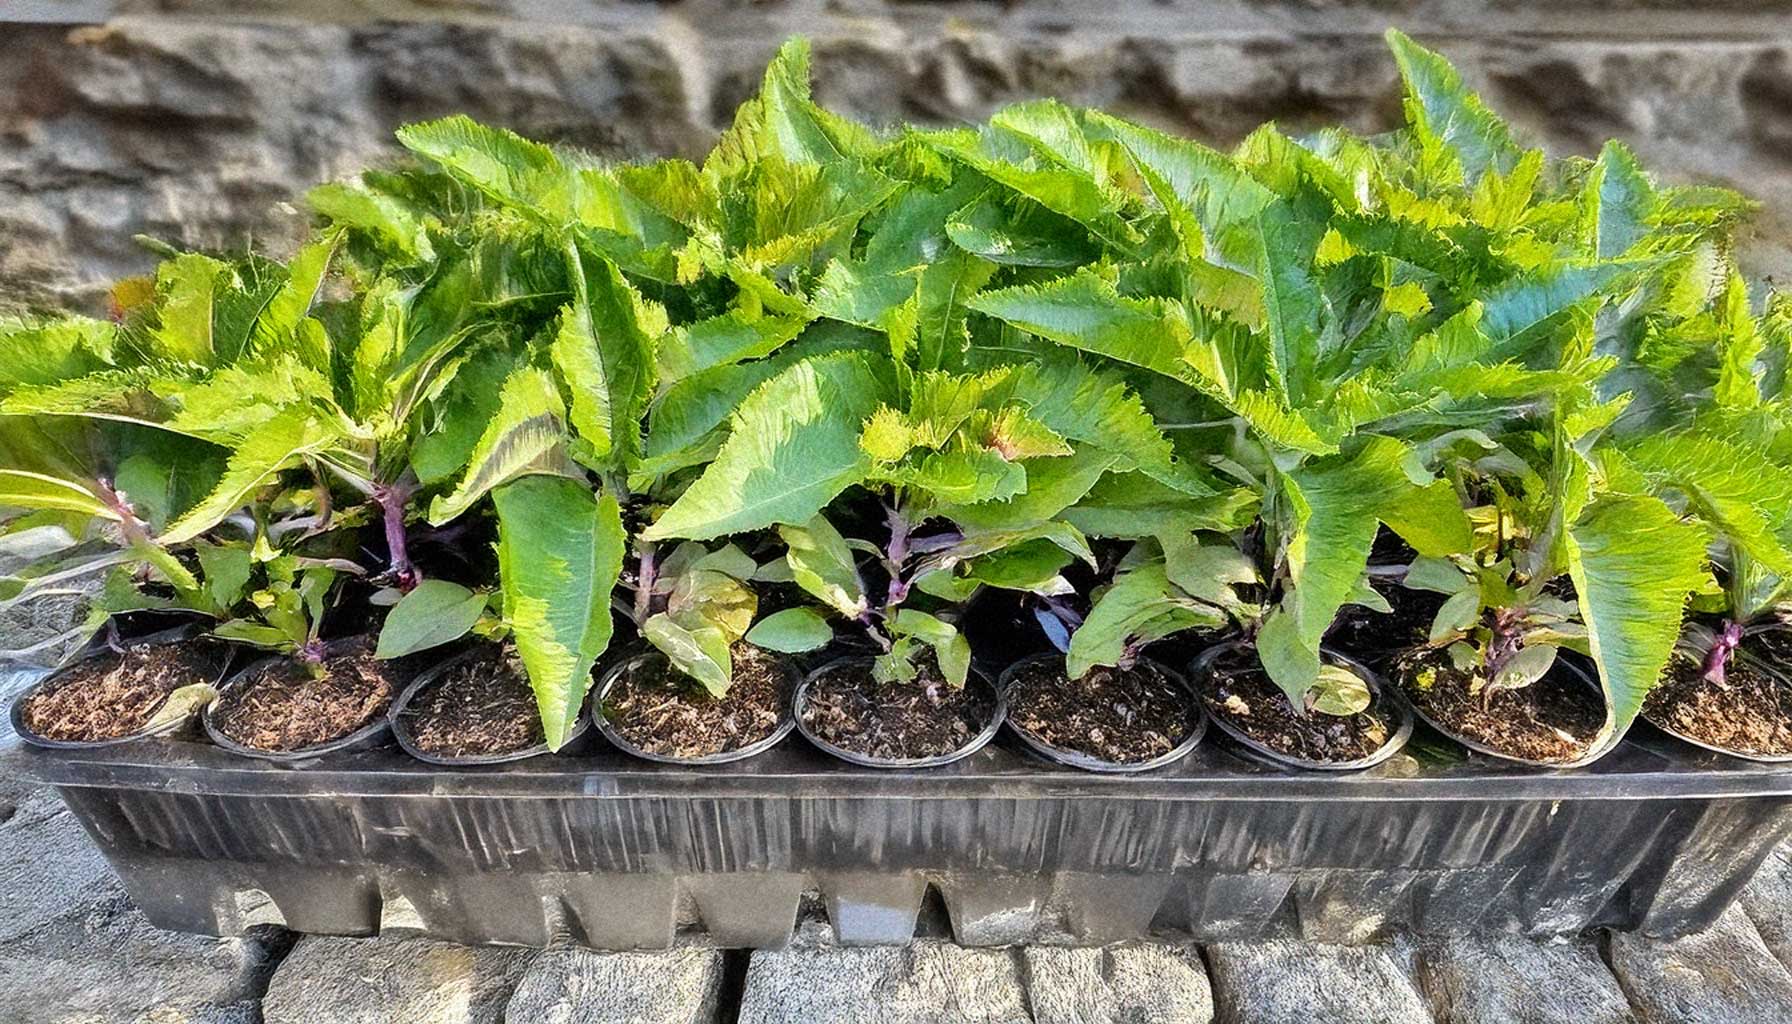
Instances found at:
x=698 y=649
x=794 y=446
x=791 y=631
x=35 y=490
x=1620 y=201
x=604 y=350
x=1441 y=108
x=1084 y=311
x=1094 y=408
x=526 y=436
x=1140 y=603
x=272 y=447
x=950 y=649
x=823 y=565
x=382 y=217
x=434 y=613
x=227 y=569
x=560 y=551
x=503 y=165
x=1633 y=563
x=1340 y=692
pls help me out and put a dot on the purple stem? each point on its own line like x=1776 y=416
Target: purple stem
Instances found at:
x=391 y=499
x=644 y=583
x=896 y=553
x=1717 y=660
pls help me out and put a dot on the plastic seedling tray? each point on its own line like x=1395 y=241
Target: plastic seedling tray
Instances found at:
x=617 y=853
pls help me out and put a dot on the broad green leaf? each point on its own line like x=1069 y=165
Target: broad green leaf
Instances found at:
x=505 y=166
x=1120 y=613
x=526 y=436
x=950 y=649
x=35 y=490
x=1440 y=107
x=227 y=569
x=1620 y=201
x=1633 y=563
x=274 y=446
x=823 y=565
x=791 y=631
x=560 y=551
x=380 y=216
x=1340 y=692
x=697 y=649
x=794 y=445
x=1084 y=311
x=434 y=613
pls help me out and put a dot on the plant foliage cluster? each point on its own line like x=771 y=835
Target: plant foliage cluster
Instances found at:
x=887 y=368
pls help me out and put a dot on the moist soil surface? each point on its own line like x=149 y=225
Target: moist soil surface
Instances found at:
x=897 y=721
x=1241 y=693
x=1123 y=716
x=661 y=711
x=286 y=707
x=1556 y=718
x=1750 y=713
x=113 y=695
x=480 y=706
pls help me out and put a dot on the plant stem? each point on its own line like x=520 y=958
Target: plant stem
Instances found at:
x=391 y=499
x=1723 y=648
x=895 y=554
x=644 y=581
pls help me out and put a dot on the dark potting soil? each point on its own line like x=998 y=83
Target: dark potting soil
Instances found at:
x=286 y=707
x=899 y=721
x=1124 y=716
x=480 y=706
x=1374 y=637
x=114 y=695
x=661 y=711
x=1556 y=718
x=1750 y=713
x=1240 y=692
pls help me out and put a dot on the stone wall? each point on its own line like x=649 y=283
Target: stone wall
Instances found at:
x=200 y=121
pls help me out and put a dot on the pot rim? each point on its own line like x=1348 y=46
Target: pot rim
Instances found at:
x=402 y=732
x=367 y=736
x=996 y=717
x=1089 y=762
x=95 y=649
x=1594 y=753
x=594 y=712
x=1199 y=669
x=1759 y=664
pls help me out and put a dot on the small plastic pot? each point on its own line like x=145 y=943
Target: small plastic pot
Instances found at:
x=1201 y=670
x=997 y=716
x=171 y=728
x=401 y=726
x=1089 y=762
x=1597 y=751
x=627 y=746
x=373 y=734
x=1759 y=665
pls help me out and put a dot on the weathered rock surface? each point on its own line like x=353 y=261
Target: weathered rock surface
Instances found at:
x=1768 y=903
x=575 y=986
x=926 y=983
x=379 y=981
x=74 y=951
x=1288 y=982
x=1516 y=980
x=1140 y=984
x=1724 y=975
x=197 y=124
